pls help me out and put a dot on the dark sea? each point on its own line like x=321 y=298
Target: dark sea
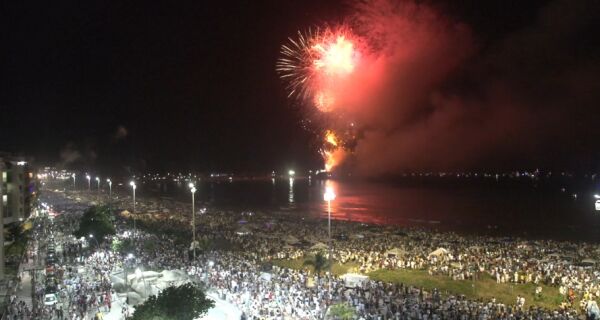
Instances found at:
x=525 y=207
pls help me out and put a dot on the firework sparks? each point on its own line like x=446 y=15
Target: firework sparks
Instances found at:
x=315 y=66
x=294 y=66
x=312 y=64
x=323 y=101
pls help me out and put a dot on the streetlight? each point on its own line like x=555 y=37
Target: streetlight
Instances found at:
x=329 y=196
x=130 y=256
x=193 y=190
x=109 y=190
x=98 y=181
x=89 y=185
x=91 y=236
x=133 y=186
x=73 y=176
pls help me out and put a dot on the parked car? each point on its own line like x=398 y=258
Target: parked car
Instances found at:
x=50 y=299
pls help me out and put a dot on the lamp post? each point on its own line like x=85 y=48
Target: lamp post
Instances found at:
x=193 y=190
x=109 y=190
x=91 y=236
x=98 y=181
x=73 y=176
x=128 y=257
x=329 y=196
x=110 y=196
x=89 y=185
x=133 y=186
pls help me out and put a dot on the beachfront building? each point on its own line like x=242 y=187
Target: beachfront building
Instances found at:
x=17 y=190
x=2 y=187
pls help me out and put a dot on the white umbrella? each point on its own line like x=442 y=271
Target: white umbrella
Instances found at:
x=319 y=246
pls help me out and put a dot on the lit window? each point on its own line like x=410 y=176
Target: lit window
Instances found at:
x=4 y=199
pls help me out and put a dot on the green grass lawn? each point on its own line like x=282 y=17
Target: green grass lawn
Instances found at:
x=485 y=288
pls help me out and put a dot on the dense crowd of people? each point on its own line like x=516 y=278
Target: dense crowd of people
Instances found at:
x=84 y=285
x=234 y=257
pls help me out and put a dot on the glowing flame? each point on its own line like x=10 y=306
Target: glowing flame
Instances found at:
x=332 y=153
x=331 y=138
x=329 y=160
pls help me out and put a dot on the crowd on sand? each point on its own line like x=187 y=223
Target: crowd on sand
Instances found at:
x=235 y=250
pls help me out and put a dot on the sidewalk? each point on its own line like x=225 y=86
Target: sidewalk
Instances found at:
x=25 y=290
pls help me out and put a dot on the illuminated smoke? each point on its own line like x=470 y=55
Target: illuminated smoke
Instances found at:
x=425 y=96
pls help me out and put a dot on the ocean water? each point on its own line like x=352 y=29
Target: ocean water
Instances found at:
x=555 y=209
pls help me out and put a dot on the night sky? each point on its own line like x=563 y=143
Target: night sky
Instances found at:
x=154 y=85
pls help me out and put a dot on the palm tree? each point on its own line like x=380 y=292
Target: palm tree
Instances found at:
x=318 y=262
x=16 y=233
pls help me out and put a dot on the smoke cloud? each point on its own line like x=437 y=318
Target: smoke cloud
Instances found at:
x=121 y=133
x=72 y=156
x=432 y=98
x=68 y=155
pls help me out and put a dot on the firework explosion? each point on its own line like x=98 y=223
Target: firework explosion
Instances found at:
x=295 y=66
x=314 y=66
x=425 y=95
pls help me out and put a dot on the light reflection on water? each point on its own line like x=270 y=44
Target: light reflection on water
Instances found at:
x=421 y=204
x=291 y=192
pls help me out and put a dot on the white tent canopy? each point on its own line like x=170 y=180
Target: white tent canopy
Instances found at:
x=589 y=261
x=353 y=280
x=396 y=252
x=438 y=252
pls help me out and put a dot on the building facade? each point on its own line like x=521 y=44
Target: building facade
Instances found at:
x=18 y=189
x=2 y=187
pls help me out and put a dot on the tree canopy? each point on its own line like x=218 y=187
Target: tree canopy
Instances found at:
x=318 y=262
x=123 y=247
x=185 y=302
x=15 y=232
x=342 y=311
x=96 y=222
